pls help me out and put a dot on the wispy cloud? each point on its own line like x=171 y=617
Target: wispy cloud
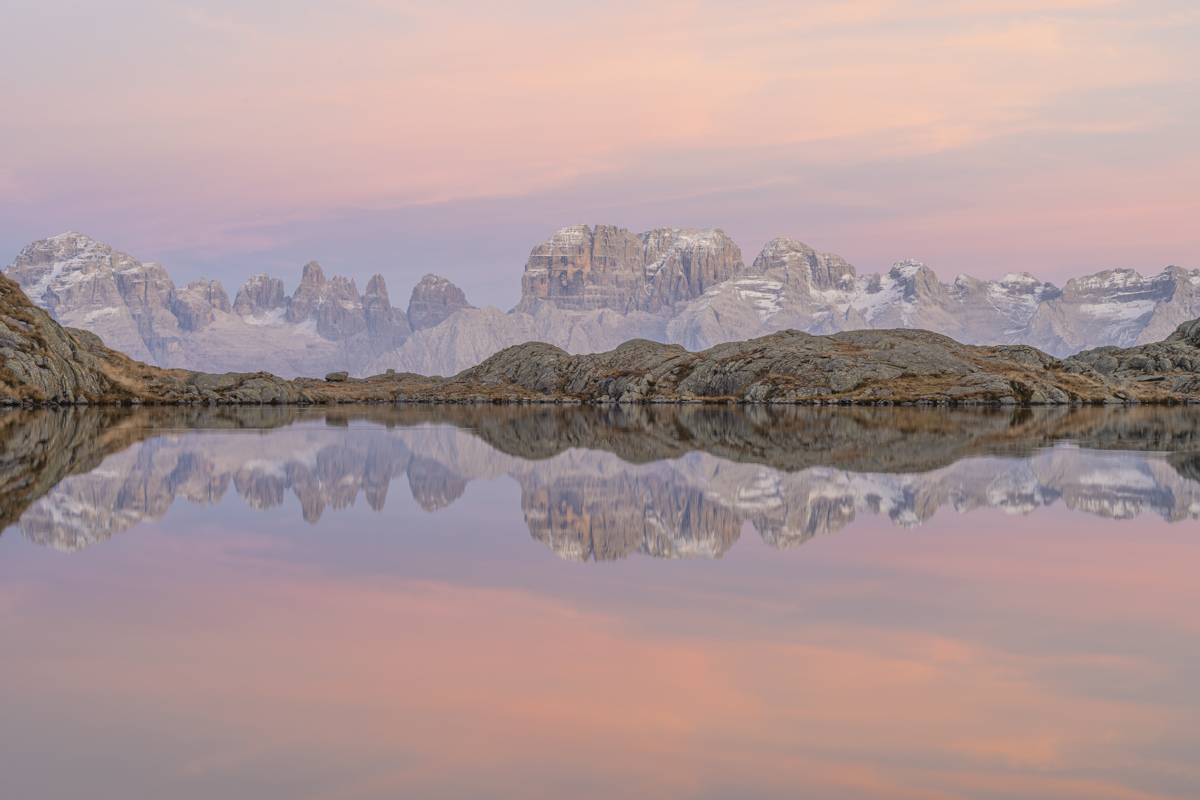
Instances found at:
x=206 y=116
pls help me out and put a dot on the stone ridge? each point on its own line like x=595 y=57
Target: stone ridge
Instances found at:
x=136 y=308
x=585 y=290
x=44 y=363
x=433 y=300
x=581 y=273
x=581 y=269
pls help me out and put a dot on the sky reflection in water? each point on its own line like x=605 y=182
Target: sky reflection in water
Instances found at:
x=277 y=636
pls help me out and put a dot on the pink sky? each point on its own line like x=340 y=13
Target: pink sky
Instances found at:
x=227 y=138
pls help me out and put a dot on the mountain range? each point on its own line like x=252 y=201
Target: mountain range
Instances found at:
x=585 y=290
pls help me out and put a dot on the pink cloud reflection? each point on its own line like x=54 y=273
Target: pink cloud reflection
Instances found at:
x=391 y=686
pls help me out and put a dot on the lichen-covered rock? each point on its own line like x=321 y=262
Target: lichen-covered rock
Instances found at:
x=41 y=361
x=857 y=366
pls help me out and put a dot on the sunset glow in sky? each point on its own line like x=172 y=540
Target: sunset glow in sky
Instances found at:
x=226 y=138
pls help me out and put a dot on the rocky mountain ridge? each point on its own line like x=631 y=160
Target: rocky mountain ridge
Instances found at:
x=137 y=309
x=41 y=362
x=585 y=290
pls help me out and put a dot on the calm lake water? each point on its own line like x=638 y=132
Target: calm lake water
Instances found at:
x=381 y=602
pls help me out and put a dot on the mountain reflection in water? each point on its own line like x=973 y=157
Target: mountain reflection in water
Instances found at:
x=1040 y=644
x=669 y=482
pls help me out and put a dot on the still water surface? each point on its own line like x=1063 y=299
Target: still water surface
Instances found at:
x=381 y=602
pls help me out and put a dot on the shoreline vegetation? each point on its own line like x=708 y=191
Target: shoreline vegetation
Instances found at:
x=46 y=364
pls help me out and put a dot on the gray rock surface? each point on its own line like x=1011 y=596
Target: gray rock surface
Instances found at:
x=193 y=305
x=46 y=363
x=646 y=281
x=136 y=308
x=260 y=294
x=584 y=290
x=387 y=327
x=787 y=367
x=433 y=300
x=41 y=361
x=581 y=269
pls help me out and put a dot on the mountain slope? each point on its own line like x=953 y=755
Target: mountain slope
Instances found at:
x=580 y=270
x=136 y=308
x=584 y=290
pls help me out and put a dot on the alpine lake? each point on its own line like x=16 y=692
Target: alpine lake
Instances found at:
x=384 y=601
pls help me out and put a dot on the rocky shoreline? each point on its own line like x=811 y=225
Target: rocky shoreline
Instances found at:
x=47 y=364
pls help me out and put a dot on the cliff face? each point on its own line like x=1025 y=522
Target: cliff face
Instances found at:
x=433 y=300
x=387 y=327
x=83 y=284
x=581 y=269
x=1118 y=307
x=790 y=285
x=260 y=295
x=588 y=289
x=584 y=290
x=193 y=305
x=43 y=362
x=325 y=325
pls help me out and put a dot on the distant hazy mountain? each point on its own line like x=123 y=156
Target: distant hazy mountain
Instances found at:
x=324 y=325
x=585 y=290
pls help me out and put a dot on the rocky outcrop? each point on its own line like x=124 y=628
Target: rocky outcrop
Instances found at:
x=898 y=366
x=44 y=362
x=1116 y=307
x=433 y=300
x=581 y=269
x=260 y=295
x=193 y=305
x=81 y=283
x=387 y=327
x=135 y=308
x=41 y=362
x=790 y=285
x=790 y=366
x=585 y=290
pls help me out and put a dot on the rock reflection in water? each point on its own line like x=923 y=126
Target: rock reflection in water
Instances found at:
x=583 y=491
